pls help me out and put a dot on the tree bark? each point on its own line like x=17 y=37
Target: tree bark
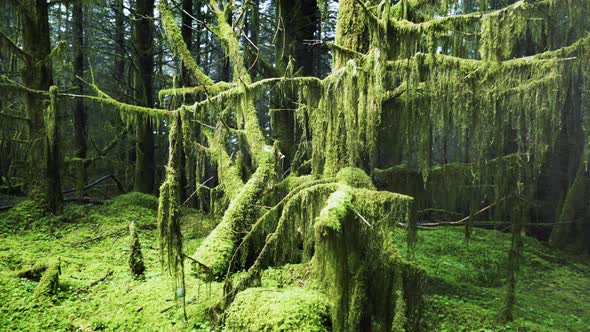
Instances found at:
x=44 y=177
x=297 y=23
x=80 y=131
x=143 y=39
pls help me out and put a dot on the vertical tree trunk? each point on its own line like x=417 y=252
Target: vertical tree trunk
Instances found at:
x=80 y=133
x=143 y=40
x=187 y=35
x=119 y=71
x=44 y=157
x=297 y=23
x=119 y=64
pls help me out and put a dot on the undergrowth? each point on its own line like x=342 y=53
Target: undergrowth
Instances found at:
x=465 y=288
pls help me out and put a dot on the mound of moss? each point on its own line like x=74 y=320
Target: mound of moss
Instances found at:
x=271 y=309
x=25 y=215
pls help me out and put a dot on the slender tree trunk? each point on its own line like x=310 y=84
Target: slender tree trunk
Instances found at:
x=297 y=23
x=143 y=39
x=187 y=35
x=44 y=156
x=80 y=131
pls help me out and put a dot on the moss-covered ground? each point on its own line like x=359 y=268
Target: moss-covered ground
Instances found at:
x=465 y=288
x=93 y=242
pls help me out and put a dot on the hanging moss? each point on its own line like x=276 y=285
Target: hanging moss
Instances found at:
x=168 y=217
x=50 y=117
x=354 y=232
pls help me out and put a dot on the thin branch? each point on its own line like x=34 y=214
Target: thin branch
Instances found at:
x=9 y=43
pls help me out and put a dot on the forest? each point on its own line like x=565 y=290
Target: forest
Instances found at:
x=294 y=165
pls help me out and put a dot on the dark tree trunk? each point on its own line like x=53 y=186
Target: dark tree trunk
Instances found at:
x=143 y=39
x=80 y=131
x=44 y=156
x=119 y=65
x=298 y=22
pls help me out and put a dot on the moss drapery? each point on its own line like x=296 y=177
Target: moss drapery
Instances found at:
x=477 y=101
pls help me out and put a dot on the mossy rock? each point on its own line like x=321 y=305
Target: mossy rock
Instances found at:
x=270 y=309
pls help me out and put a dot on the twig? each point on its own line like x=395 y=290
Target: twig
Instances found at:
x=94 y=283
x=93 y=184
x=362 y=218
x=199 y=187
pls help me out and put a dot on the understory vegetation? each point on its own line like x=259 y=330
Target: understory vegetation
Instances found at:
x=379 y=165
x=465 y=289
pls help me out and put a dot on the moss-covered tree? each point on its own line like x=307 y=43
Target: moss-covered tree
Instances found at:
x=432 y=110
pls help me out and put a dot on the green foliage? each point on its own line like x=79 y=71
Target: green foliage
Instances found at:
x=288 y=309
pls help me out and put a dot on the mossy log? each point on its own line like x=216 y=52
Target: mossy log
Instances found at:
x=49 y=283
x=33 y=272
x=217 y=249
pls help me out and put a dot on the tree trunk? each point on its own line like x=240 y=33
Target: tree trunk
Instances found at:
x=44 y=176
x=143 y=39
x=297 y=23
x=80 y=133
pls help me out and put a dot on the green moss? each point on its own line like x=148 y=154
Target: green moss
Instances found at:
x=168 y=217
x=355 y=177
x=179 y=46
x=337 y=208
x=89 y=247
x=135 y=199
x=217 y=249
x=267 y=309
x=354 y=244
x=25 y=215
x=49 y=283
x=33 y=272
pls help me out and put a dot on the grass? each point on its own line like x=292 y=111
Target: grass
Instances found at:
x=465 y=289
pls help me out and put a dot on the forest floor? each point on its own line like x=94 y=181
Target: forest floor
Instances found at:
x=465 y=289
